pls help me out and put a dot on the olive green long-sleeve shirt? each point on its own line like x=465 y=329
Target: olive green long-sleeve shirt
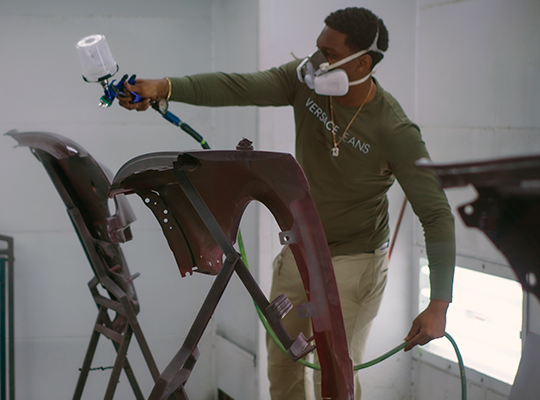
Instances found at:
x=381 y=145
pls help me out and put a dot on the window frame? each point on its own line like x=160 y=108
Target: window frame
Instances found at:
x=451 y=366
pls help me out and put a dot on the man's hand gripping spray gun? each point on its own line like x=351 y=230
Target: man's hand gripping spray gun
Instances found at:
x=98 y=66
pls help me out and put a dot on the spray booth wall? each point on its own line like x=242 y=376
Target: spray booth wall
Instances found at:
x=470 y=85
x=477 y=97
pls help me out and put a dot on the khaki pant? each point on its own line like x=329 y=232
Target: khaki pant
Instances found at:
x=361 y=279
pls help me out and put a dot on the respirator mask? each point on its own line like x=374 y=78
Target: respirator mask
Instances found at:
x=327 y=79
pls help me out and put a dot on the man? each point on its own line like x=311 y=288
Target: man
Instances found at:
x=352 y=140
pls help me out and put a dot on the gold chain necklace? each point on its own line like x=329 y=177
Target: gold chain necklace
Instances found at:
x=335 y=149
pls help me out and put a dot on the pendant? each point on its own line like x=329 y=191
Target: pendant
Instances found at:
x=335 y=151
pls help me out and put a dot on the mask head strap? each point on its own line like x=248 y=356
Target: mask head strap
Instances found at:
x=327 y=67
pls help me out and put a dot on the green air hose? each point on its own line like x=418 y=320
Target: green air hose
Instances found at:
x=360 y=366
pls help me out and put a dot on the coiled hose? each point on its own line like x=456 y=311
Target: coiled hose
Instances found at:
x=359 y=366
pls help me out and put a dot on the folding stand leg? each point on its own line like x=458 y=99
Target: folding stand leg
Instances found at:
x=121 y=343
x=143 y=344
x=120 y=363
x=123 y=307
x=178 y=370
x=87 y=363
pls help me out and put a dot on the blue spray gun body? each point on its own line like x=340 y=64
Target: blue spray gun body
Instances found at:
x=112 y=90
x=98 y=66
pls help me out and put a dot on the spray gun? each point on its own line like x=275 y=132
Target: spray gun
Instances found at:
x=98 y=66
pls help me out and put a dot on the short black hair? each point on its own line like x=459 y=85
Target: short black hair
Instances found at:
x=360 y=25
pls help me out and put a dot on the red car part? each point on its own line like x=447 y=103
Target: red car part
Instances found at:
x=199 y=198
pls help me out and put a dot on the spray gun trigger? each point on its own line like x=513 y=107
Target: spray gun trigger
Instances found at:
x=119 y=89
x=131 y=81
x=137 y=98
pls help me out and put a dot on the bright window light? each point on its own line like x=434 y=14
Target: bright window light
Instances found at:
x=485 y=319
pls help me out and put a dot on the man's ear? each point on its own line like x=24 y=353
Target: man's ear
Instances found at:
x=364 y=63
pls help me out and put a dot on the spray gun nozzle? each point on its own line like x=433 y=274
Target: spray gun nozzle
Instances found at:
x=104 y=102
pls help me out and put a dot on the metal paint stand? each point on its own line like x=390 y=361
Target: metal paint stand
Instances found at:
x=83 y=185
